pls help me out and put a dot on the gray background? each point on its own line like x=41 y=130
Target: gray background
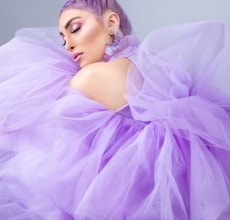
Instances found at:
x=145 y=15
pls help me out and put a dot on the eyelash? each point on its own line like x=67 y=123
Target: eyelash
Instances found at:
x=72 y=32
x=75 y=30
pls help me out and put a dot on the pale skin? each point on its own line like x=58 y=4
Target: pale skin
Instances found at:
x=83 y=33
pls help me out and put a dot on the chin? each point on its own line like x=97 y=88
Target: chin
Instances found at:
x=83 y=64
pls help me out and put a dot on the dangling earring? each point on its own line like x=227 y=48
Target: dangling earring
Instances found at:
x=114 y=46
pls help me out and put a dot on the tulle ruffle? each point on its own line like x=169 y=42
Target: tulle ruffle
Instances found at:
x=165 y=155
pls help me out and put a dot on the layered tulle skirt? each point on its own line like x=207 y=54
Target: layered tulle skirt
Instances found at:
x=165 y=155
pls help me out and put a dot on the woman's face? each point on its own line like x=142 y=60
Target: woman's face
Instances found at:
x=85 y=37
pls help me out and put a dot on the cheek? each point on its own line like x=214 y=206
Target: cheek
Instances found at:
x=95 y=37
x=88 y=35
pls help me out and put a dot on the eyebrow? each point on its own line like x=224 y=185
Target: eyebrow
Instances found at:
x=69 y=22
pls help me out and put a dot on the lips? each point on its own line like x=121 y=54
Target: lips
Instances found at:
x=77 y=56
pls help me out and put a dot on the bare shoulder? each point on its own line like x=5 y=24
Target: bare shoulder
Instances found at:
x=104 y=82
x=120 y=66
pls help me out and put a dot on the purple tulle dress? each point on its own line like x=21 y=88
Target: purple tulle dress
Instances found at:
x=163 y=156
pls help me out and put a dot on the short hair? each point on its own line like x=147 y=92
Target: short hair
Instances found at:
x=98 y=7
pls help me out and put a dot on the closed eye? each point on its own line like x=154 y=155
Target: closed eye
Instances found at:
x=75 y=30
x=75 y=27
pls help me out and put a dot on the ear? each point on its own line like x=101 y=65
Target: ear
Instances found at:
x=112 y=21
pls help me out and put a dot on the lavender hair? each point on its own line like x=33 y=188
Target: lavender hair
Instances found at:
x=99 y=7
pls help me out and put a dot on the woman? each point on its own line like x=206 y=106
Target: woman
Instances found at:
x=117 y=130
x=104 y=82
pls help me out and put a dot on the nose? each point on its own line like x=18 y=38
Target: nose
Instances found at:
x=70 y=46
